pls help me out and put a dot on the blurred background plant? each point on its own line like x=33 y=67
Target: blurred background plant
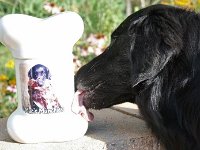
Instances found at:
x=100 y=17
x=7 y=84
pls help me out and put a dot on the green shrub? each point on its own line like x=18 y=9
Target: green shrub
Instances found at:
x=8 y=101
x=100 y=16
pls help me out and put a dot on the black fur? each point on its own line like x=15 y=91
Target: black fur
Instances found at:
x=154 y=61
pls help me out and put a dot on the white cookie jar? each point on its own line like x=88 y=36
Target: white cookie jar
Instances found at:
x=42 y=49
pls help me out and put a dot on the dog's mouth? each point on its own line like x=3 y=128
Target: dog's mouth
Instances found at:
x=40 y=82
x=79 y=108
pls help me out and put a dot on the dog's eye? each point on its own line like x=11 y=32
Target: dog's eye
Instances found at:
x=117 y=33
x=113 y=36
x=112 y=41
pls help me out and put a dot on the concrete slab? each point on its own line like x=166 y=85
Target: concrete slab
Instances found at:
x=111 y=130
x=128 y=108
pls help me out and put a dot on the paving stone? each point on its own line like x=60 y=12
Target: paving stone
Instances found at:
x=110 y=130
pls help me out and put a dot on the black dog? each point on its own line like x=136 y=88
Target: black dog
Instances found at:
x=153 y=60
x=42 y=96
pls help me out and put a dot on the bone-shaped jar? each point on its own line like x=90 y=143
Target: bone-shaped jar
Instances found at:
x=42 y=49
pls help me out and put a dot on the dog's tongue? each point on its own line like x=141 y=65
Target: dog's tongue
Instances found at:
x=79 y=108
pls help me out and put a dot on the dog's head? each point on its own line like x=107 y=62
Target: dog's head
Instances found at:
x=139 y=50
x=39 y=73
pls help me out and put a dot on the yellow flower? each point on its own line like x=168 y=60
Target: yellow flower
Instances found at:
x=10 y=64
x=3 y=90
x=12 y=82
x=3 y=77
x=184 y=3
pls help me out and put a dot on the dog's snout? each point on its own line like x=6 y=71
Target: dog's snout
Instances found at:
x=39 y=78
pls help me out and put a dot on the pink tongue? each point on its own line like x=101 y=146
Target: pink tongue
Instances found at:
x=79 y=108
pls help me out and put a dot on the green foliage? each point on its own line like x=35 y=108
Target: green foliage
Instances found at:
x=7 y=105
x=102 y=16
x=22 y=6
x=7 y=83
x=99 y=16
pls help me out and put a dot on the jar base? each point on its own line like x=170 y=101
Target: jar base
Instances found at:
x=37 y=128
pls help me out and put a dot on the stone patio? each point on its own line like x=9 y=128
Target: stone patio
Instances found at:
x=117 y=128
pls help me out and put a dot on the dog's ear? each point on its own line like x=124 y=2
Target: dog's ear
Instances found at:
x=30 y=74
x=156 y=39
x=48 y=74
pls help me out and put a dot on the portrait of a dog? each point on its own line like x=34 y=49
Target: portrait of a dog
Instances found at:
x=42 y=96
x=153 y=60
